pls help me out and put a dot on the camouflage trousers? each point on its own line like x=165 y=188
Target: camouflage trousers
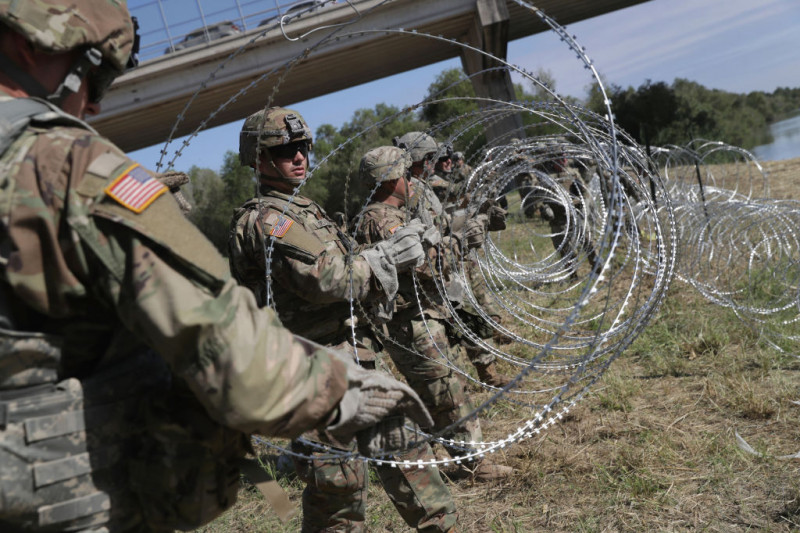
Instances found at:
x=472 y=320
x=336 y=490
x=440 y=388
x=568 y=247
x=334 y=499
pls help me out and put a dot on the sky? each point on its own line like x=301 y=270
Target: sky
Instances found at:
x=733 y=45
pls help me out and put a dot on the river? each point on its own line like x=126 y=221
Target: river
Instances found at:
x=786 y=144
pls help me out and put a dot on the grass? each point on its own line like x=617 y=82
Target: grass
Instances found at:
x=652 y=447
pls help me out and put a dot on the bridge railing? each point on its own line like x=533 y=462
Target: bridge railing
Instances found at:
x=166 y=26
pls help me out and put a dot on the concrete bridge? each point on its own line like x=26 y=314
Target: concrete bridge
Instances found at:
x=142 y=106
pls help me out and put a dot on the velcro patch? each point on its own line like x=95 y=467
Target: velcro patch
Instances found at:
x=394 y=228
x=135 y=188
x=281 y=227
x=271 y=219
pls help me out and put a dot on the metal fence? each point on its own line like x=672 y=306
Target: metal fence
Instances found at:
x=169 y=25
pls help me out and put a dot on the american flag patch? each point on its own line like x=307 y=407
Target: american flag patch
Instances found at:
x=135 y=188
x=280 y=229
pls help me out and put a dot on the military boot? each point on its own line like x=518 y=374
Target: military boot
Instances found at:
x=489 y=375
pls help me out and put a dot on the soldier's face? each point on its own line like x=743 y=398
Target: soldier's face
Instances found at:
x=444 y=164
x=404 y=188
x=78 y=104
x=284 y=165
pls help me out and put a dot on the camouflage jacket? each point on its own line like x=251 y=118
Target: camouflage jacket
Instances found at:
x=379 y=223
x=461 y=174
x=312 y=277
x=98 y=260
x=440 y=184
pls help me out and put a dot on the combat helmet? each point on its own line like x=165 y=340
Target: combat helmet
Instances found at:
x=104 y=31
x=385 y=163
x=269 y=128
x=418 y=144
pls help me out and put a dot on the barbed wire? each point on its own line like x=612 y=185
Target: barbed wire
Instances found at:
x=572 y=294
x=737 y=246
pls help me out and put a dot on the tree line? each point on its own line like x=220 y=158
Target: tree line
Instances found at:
x=655 y=113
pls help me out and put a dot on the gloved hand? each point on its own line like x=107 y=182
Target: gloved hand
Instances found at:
x=404 y=249
x=373 y=408
x=497 y=218
x=389 y=435
x=475 y=231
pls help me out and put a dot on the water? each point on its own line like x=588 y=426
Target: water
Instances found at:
x=786 y=144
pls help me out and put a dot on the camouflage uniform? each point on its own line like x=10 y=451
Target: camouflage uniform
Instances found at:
x=311 y=283
x=440 y=184
x=560 y=224
x=441 y=389
x=483 y=360
x=132 y=367
x=97 y=284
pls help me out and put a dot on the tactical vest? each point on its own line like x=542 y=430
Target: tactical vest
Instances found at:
x=306 y=239
x=126 y=447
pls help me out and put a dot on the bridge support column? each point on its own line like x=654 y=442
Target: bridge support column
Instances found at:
x=489 y=33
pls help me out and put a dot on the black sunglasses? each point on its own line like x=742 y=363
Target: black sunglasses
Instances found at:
x=288 y=151
x=100 y=79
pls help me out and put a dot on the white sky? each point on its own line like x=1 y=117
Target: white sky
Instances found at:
x=732 y=45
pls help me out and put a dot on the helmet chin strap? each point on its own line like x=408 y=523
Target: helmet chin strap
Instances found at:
x=293 y=181
x=70 y=84
x=403 y=195
x=280 y=176
x=72 y=81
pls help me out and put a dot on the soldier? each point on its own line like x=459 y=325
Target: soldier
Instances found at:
x=441 y=179
x=422 y=148
x=313 y=276
x=132 y=367
x=418 y=342
x=564 y=203
x=461 y=173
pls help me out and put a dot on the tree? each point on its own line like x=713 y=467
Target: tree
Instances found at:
x=335 y=183
x=215 y=197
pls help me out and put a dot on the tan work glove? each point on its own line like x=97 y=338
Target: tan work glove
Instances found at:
x=475 y=231
x=373 y=408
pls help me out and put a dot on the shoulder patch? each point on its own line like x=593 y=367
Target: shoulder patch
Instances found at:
x=106 y=164
x=135 y=188
x=280 y=226
x=394 y=228
x=272 y=218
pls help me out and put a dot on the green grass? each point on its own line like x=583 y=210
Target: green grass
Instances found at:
x=650 y=448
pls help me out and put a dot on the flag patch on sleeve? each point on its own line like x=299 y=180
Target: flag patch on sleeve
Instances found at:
x=135 y=188
x=281 y=227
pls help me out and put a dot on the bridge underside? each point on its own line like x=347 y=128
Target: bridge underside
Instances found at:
x=144 y=105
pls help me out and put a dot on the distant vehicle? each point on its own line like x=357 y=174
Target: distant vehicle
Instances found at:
x=295 y=9
x=205 y=35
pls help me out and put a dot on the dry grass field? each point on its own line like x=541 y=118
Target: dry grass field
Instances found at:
x=652 y=447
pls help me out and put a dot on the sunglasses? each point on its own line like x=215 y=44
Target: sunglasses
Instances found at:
x=288 y=151
x=100 y=79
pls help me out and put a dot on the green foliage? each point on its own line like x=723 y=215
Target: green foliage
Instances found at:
x=662 y=114
x=456 y=112
x=450 y=95
x=215 y=196
x=335 y=183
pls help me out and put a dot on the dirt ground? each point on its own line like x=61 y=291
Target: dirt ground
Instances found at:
x=652 y=447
